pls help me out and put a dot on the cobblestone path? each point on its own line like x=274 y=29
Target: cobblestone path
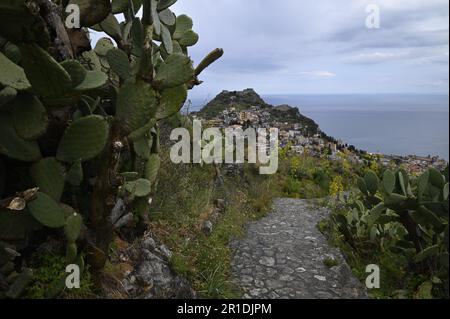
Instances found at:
x=282 y=256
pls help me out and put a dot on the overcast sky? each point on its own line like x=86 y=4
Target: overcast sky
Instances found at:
x=321 y=46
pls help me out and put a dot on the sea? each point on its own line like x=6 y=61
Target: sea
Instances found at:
x=400 y=124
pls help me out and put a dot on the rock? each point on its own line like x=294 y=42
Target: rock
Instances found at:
x=165 y=251
x=267 y=261
x=149 y=244
x=320 y=278
x=118 y=211
x=152 y=277
x=207 y=227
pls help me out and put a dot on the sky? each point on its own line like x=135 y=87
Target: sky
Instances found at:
x=321 y=46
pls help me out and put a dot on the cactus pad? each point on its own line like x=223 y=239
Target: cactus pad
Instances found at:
x=6 y=95
x=48 y=175
x=389 y=181
x=136 y=104
x=152 y=167
x=12 y=75
x=93 y=80
x=164 y=4
x=47 y=211
x=142 y=147
x=183 y=24
x=189 y=38
x=73 y=226
x=75 y=174
x=372 y=182
x=29 y=116
x=118 y=61
x=76 y=71
x=171 y=102
x=14 y=146
x=167 y=39
x=175 y=70
x=167 y=17
x=47 y=77
x=71 y=252
x=84 y=139
x=139 y=188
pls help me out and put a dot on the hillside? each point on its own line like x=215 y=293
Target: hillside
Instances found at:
x=244 y=100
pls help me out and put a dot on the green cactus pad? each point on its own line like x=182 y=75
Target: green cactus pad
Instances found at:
x=47 y=76
x=93 y=80
x=139 y=188
x=372 y=182
x=152 y=167
x=137 y=35
x=72 y=228
x=142 y=147
x=76 y=71
x=136 y=104
x=167 y=39
x=29 y=116
x=175 y=70
x=12 y=52
x=183 y=24
x=118 y=60
x=167 y=17
x=103 y=46
x=155 y=17
x=84 y=139
x=71 y=252
x=91 y=61
x=111 y=27
x=7 y=94
x=189 y=38
x=14 y=146
x=12 y=75
x=75 y=174
x=362 y=185
x=394 y=199
x=171 y=102
x=424 y=216
x=48 y=174
x=389 y=181
x=47 y=211
x=164 y=4
x=436 y=178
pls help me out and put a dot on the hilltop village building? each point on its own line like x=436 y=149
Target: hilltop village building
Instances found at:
x=300 y=139
x=300 y=143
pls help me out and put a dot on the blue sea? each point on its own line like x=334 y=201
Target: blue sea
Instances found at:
x=390 y=124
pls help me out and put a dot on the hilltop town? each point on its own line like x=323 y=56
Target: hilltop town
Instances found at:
x=244 y=109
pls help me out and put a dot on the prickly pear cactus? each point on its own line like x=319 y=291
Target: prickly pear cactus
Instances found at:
x=79 y=125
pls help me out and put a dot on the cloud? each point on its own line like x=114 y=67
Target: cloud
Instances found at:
x=269 y=44
x=318 y=74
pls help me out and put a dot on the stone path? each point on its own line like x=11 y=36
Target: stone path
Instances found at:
x=282 y=257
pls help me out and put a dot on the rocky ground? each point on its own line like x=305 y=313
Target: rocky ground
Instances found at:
x=284 y=256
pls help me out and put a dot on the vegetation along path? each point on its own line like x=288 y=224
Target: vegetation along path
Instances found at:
x=284 y=255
